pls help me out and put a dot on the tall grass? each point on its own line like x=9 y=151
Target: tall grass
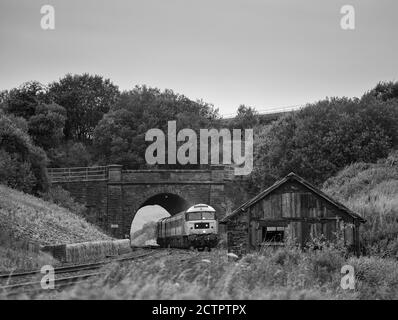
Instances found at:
x=17 y=254
x=30 y=218
x=26 y=222
x=372 y=191
x=287 y=273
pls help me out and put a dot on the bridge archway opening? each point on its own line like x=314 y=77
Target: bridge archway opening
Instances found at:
x=162 y=205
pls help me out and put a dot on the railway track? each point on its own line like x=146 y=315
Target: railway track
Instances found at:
x=70 y=279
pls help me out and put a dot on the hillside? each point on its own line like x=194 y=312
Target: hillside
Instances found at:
x=26 y=222
x=28 y=218
x=371 y=189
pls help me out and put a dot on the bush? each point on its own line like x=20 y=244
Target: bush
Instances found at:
x=375 y=278
x=71 y=154
x=19 y=254
x=62 y=198
x=23 y=165
x=371 y=190
x=46 y=125
x=16 y=174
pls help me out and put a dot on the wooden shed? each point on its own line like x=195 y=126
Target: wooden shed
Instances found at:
x=290 y=204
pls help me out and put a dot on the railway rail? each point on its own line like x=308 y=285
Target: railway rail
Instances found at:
x=64 y=281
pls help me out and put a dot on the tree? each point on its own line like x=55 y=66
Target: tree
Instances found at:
x=86 y=99
x=246 y=118
x=120 y=135
x=46 y=125
x=384 y=91
x=324 y=137
x=22 y=101
x=70 y=154
x=22 y=164
x=45 y=120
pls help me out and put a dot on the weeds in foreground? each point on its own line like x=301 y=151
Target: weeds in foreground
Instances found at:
x=286 y=273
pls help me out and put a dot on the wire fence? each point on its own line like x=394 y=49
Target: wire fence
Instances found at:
x=78 y=174
x=268 y=111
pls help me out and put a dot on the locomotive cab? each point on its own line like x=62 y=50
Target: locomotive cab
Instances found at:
x=201 y=219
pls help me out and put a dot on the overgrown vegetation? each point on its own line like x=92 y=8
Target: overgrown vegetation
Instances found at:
x=22 y=164
x=17 y=254
x=321 y=139
x=63 y=198
x=283 y=274
x=371 y=189
x=28 y=218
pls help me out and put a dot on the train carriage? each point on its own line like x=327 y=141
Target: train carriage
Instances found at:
x=195 y=227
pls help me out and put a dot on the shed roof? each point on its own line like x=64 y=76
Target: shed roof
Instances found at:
x=290 y=177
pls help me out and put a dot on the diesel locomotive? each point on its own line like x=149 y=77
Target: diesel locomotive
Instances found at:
x=195 y=227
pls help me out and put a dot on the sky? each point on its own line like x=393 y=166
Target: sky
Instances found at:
x=262 y=53
x=146 y=214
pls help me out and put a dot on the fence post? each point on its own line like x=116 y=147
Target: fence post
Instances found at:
x=115 y=173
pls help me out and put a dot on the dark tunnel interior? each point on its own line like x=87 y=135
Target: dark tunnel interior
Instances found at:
x=171 y=202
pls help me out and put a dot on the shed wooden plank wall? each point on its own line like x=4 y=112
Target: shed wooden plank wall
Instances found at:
x=306 y=213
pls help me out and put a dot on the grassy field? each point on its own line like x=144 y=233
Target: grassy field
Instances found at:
x=284 y=274
x=26 y=222
x=13 y=256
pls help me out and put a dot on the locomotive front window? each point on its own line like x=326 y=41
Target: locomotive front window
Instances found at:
x=207 y=215
x=194 y=216
x=200 y=216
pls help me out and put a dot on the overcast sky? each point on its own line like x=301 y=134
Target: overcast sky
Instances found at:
x=268 y=53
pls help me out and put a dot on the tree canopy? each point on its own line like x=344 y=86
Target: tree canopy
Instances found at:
x=324 y=137
x=86 y=99
x=120 y=135
x=22 y=164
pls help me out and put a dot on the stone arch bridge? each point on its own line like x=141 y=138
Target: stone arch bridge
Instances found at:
x=113 y=196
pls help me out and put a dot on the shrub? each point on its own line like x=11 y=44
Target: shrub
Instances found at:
x=71 y=154
x=375 y=278
x=371 y=190
x=19 y=254
x=16 y=174
x=21 y=157
x=63 y=198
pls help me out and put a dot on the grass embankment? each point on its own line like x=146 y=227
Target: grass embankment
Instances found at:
x=285 y=274
x=372 y=191
x=26 y=222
